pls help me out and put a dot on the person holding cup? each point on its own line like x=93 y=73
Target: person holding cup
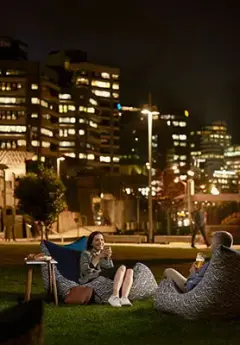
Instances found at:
x=199 y=267
x=97 y=261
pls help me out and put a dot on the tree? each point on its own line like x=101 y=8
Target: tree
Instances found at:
x=42 y=197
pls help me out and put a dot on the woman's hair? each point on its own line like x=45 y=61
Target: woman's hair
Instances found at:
x=91 y=238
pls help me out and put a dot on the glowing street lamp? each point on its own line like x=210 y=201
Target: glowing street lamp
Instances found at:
x=150 y=111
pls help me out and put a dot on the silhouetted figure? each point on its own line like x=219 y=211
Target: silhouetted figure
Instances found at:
x=199 y=224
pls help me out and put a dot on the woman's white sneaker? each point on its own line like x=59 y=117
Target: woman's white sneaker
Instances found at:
x=125 y=302
x=114 y=301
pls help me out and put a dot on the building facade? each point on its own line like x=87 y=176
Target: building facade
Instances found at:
x=104 y=83
x=179 y=155
x=28 y=109
x=232 y=158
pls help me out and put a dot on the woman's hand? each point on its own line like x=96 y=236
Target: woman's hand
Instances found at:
x=106 y=253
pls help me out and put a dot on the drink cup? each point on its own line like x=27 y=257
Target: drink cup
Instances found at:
x=200 y=259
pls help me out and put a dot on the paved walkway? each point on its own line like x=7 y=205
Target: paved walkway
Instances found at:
x=180 y=245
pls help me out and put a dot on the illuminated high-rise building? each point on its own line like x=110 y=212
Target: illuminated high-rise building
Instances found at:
x=104 y=83
x=207 y=147
x=28 y=104
x=178 y=125
x=232 y=158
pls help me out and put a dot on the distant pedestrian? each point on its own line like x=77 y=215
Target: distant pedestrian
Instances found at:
x=9 y=224
x=199 y=224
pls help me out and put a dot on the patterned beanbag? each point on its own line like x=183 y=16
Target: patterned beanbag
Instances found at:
x=217 y=295
x=144 y=283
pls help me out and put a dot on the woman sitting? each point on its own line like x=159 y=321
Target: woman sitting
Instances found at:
x=96 y=261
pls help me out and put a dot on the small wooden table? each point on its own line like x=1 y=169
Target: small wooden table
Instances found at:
x=52 y=279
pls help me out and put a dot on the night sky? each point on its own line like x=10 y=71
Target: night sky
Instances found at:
x=186 y=52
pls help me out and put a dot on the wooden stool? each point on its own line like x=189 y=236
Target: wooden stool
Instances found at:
x=52 y=279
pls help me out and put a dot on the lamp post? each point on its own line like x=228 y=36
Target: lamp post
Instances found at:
x=150 y=110
x=59 y=160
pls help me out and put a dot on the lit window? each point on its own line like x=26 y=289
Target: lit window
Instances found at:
x=115 y=76
x=105 y=75
x=35 y=100
x=67 y=143
x=21 y=142
x=115 y=95
x=71 y=107
x=81 y=132
x=42 y=159
x=90 y=157
x=45 y=144
x=34 y=116
x=91 y=110
x=35 y=143
x=82 y=155
x=183 y=158
x=34 y=158
x=103 y=84
x=92 y=101
x=136 y=139
x=44 y=103
x=82 y=109
x=70 y=154
x=67 y=120
x=83 y=81
x=115 y=86
x=81 y=120
x=93 y=124
x=71 y=131
x=105 y=159
x=11 y=100
x=169 y=123
x=183 y=177
x=176 y=143
x=192 y=145
x=46 y=132
x=64 y=96
x=9 y=129
x=175 y=123
x=182 y=137
x=183 y=144
x=34 y=87
x=116 y=159
x=100 y=93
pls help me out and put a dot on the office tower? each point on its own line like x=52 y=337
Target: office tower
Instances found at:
x=104 y=83
x=178 y=125
x=28 y=105
x=214 y=140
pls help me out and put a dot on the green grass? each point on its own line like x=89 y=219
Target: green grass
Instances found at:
x=95 y=324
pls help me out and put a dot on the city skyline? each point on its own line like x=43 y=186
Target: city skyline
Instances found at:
x=186 y=54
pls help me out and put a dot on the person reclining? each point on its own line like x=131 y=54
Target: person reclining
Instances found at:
x=196 y=275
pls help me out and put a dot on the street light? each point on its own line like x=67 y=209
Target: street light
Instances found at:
x=59 y=160
x=149 y=110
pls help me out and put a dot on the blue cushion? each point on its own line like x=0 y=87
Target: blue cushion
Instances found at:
x=68 y=260
x=79 y=245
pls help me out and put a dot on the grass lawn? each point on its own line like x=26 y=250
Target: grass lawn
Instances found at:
x=95 y=324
